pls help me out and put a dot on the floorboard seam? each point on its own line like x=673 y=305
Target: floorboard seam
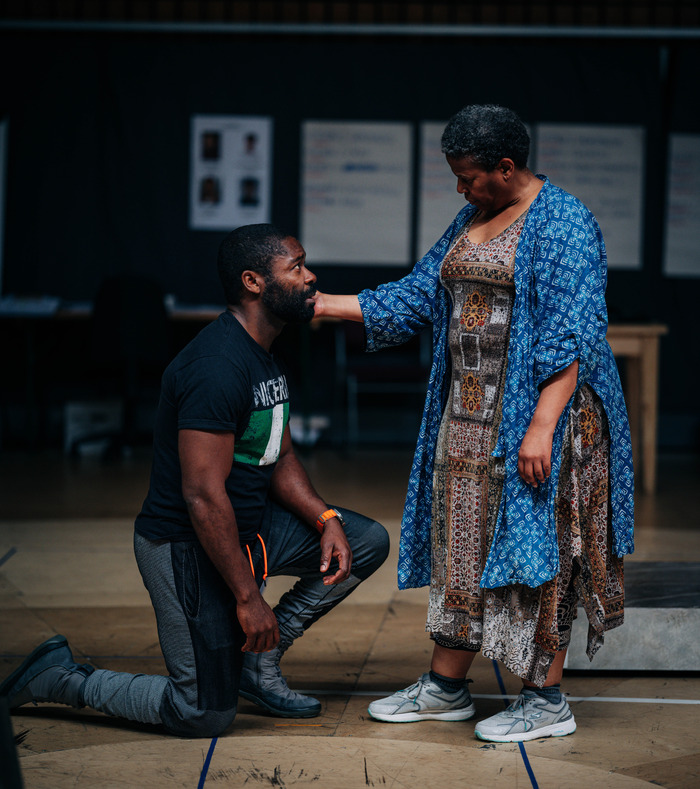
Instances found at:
x=8 y=555
x=368 y=652
x=521 y=745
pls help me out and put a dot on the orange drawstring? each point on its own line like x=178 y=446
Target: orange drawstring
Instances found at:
x=250 y=557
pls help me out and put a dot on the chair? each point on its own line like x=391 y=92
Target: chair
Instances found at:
x=130 y=347
x=391 y=372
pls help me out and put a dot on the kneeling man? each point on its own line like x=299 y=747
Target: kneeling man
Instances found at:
x=228 y=504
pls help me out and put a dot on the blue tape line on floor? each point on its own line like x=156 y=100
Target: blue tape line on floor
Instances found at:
x=207 y=762
x=8 y=555
x=521 y=745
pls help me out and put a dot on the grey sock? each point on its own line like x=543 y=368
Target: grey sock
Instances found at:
x=552 y=694
x=56 y=684
x=448 y=684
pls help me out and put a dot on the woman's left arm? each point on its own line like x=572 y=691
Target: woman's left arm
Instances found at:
x=535 y=455
x=570 y=322
x=569 y=280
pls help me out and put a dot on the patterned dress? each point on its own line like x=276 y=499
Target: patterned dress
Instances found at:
x=521 y=626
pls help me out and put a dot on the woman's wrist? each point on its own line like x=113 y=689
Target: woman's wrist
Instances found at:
x=346 y=307
x=544 y=423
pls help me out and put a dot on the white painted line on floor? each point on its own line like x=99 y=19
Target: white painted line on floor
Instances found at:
x=633 y=701
x=618 y=699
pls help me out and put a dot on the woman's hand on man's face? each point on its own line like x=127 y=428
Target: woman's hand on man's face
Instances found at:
x=318 y=304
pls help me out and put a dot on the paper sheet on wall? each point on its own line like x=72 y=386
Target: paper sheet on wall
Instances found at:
x=356 y=192
x=230 y=171
x=439 y=201
x=604 y=167
x=682 y=236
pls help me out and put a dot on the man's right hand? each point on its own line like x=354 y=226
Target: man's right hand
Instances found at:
x=334 y=545
x=259 y=625
x=206 y=458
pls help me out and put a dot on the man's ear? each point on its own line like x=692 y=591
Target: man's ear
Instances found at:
x=252 y=281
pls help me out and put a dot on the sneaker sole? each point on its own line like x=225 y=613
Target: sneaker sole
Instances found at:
x=415 y=717
x=560 y=729
x=279 y=712
x=57 y=642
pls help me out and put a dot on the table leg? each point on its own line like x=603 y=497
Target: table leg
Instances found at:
x=650 y=397
x=633 y=376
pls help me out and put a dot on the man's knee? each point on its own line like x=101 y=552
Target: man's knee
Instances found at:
x=369 y=541
x=186 y=721
x=380 y=541
x=203 y=723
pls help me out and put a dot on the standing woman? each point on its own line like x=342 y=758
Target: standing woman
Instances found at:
x=520 y=499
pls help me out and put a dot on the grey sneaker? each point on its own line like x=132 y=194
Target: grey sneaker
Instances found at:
x=424 y=701
x=262 y=683
x=528 y=717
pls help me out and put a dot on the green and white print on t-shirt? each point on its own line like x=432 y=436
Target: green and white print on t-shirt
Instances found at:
x=260 y=443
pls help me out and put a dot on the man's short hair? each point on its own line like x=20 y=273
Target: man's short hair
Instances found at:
x=486 y=133
x=248 y=248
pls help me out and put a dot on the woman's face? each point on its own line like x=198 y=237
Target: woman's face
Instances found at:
x=484 y=189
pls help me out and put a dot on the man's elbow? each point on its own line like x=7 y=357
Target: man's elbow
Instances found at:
x=198 y=499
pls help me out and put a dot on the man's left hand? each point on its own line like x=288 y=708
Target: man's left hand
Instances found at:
x=334 y=545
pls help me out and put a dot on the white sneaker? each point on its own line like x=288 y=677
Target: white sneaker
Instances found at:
x=424 y=701
x=529 y=717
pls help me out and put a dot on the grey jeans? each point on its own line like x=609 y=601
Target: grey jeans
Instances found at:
x=199 y=633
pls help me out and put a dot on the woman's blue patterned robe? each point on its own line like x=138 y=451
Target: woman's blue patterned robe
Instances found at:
x=559 y=315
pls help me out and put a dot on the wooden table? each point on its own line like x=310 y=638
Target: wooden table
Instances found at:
x=638 y=344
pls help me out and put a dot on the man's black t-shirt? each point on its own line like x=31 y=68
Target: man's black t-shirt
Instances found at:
x=223 y=380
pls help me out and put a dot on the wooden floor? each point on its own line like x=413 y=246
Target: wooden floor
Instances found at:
x=66 y=566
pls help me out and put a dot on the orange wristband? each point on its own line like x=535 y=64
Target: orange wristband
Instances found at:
x=327 y=515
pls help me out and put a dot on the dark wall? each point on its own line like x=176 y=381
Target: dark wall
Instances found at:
x=99 y=146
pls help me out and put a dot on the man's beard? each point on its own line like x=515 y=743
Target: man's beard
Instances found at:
x=287 y=305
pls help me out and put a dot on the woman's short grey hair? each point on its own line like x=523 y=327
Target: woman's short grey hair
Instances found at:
x=486 y=133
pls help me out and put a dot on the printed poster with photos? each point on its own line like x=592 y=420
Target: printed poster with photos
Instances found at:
x=230 y=174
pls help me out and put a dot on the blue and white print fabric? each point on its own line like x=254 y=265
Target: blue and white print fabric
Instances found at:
x=559 y=315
